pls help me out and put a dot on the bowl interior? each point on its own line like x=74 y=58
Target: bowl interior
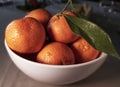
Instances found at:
x=101 y=56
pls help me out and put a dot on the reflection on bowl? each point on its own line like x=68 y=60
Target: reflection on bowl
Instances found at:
x=56 y=74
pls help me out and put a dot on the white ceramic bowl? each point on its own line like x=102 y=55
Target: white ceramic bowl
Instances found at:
x=56 y=74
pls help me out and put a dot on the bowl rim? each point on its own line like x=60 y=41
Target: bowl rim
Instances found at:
x=101 y=56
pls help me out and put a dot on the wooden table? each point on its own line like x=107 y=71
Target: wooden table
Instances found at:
x=107 y=76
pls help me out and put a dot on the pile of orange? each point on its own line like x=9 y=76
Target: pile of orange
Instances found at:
x=49 y=38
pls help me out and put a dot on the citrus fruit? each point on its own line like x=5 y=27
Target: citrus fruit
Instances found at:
x=83 y=51
x=59 y=29
x=42 y=15
x=25 y=35
x=56 y=53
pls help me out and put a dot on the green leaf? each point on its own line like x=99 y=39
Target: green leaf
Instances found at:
x=93 y=34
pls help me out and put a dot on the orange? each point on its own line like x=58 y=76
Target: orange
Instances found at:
x=83 y=51
x=59 y=29
x=25 y=35
x=42 y=15
x=56 y=53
